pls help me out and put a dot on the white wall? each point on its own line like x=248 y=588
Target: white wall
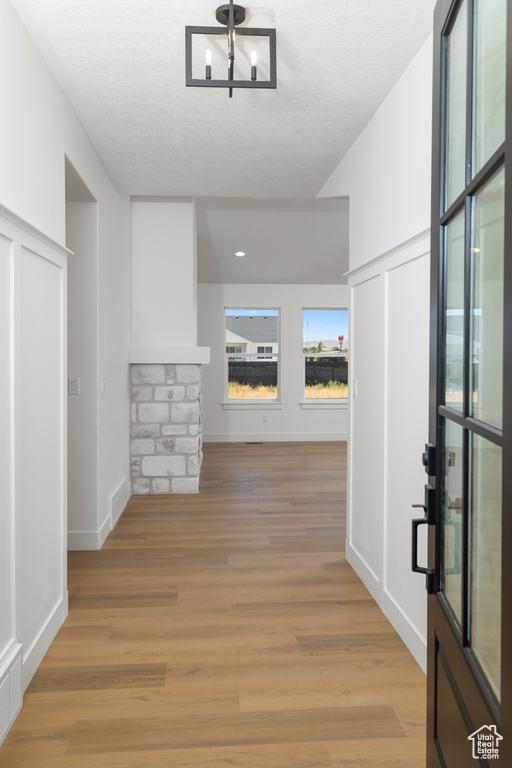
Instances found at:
x=386 y=174
x=289 y=421
x=82 y=239
x=113 y=330
x=6 y=444
x=164 y=289
x=31 y=131
x=38 y=131
x=41 y=131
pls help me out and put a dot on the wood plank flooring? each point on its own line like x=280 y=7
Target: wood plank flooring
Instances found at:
x=226 y=630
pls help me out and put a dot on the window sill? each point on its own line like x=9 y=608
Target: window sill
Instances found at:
x=320 y=405
x=252 y=405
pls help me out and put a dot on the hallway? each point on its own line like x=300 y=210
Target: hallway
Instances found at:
x=226 y=629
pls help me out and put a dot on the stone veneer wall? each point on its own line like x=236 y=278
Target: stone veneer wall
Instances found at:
x=166 y=429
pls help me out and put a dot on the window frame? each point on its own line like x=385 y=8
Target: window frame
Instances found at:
x=254 y=403
x=322 y=403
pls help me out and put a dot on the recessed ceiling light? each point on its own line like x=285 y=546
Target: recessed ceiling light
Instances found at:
x=239 y=253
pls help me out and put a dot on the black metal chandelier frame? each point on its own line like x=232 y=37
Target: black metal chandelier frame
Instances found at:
x=231 y=16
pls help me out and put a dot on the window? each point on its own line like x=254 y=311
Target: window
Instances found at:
x=252 y=354
x=324 y=345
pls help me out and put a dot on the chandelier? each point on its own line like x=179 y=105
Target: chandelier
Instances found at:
x=206 y=54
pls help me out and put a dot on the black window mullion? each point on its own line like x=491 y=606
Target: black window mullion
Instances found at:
x=466 y=554
x=469 y=91
x=466 y=408
x=481 y=178
x=491 y=434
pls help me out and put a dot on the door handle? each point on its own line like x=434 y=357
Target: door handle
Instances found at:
x=428 y=519
x=429 y=572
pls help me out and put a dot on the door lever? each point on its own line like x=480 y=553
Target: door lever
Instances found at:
x=429 y=572
x=429 y=519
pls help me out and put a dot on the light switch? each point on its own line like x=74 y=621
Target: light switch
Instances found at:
x=354 y=388
x=74 y=385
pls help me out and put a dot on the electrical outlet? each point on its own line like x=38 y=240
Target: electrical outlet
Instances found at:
x=74 y=385
x=265 y=418
x=103 y=384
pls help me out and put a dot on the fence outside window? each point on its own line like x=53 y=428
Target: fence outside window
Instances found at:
x=252 y=376
x=326 y=375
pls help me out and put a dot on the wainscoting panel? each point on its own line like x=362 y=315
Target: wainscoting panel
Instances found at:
x=33 y=593
x=388 y=395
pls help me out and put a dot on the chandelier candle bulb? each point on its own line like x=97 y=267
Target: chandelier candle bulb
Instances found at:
x=254 y=61
x=208 y=64
x=231 y=44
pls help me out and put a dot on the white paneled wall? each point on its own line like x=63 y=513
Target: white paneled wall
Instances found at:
x=388 y=430
x=33 y=594
x=366 y=434
x=406 y=421
x=6 y=445
x=386 y=175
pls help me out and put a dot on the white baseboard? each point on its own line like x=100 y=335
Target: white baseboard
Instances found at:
x=104 y=531
x=273 y=437
x=11 y=694
x=79 y=541
x=119 y=500
x=33 y=656
x=363 y=570
x=405 y=628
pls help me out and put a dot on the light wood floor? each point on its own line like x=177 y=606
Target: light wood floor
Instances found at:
x=226 y=630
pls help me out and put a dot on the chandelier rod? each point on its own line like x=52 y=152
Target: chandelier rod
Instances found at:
x=231 y=70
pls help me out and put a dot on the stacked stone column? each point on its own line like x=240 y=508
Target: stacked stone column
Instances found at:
x=166 y=428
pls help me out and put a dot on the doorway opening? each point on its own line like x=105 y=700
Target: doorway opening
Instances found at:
x=82 y=299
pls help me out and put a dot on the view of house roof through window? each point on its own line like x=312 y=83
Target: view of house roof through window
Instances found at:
x=254 y=328
x=252 y=354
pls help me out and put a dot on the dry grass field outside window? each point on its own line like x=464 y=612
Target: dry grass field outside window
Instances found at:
x=238 y=391
x=332 y=390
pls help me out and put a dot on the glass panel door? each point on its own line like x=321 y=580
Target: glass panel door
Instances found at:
x=454 y=314
x=489 y=79
x=469 y=456
x=456 y=64
x=471 y=337
x=487 y=245
x=485 y=576
x=452 y=517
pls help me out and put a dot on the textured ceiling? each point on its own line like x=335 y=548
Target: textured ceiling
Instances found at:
x=121 y=64
x=285 y=241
